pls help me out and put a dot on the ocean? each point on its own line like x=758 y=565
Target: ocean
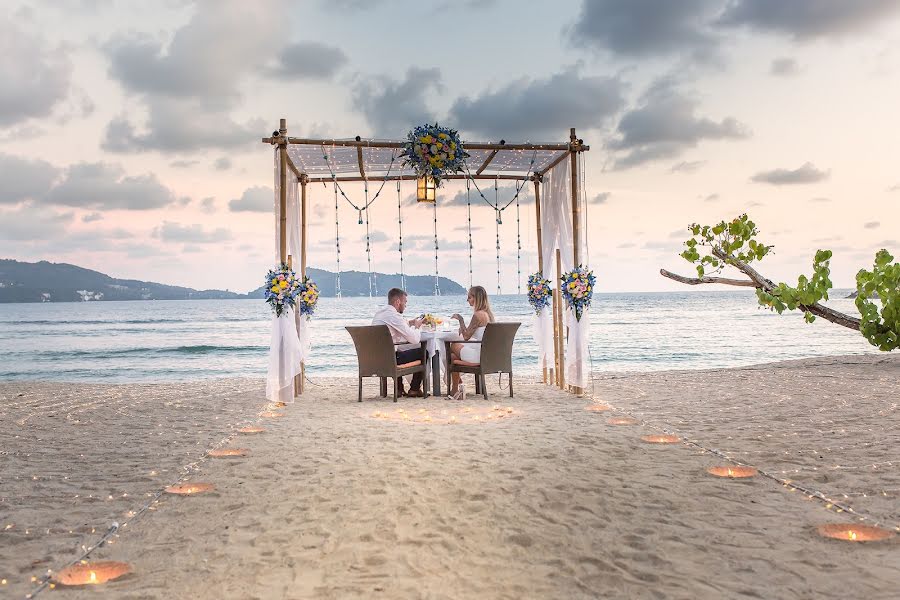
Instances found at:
x=189 y=339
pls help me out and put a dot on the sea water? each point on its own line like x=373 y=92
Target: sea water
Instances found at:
x=183 y=340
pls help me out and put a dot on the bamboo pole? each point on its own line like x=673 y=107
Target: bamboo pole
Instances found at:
x=561 y=338
x=400 y=144
x=540 y=248
x=303 y=232
x=357 y=178
x=576 y=226
x=554 y=376
x=282 y=194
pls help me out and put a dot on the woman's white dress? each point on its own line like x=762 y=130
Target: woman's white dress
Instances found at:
x=472 y=352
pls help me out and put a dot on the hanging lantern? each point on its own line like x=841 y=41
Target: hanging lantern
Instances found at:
x=426 y=191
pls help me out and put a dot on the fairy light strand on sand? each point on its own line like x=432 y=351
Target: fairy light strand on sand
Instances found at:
x=188 y=471
x=829 y=502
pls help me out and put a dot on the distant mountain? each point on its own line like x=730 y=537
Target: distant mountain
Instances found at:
x=356 y=283
x=60 y=282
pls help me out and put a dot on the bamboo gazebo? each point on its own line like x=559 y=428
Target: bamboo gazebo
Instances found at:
x=373 y=160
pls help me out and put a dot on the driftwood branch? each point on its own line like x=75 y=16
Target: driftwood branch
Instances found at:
x=758 y=281
x=699 y=280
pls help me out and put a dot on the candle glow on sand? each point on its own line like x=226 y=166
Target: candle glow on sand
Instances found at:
x=733 y=472
x=227 y=452
x=251 y=429
x=854 y=533
x=271 y=414
x=467 y=415
x=91 y=573
x=661 y=439
x=622 y=421
x=190 y=489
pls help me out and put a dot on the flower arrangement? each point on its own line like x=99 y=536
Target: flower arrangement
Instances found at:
x=434 y=151
x=538 y=292
x=578 y=289
x=283 y=289
x=431 y=320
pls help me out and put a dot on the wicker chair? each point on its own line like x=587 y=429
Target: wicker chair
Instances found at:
x=496 y=356
x=376 y=354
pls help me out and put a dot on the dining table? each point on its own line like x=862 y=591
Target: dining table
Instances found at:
x=435 y=338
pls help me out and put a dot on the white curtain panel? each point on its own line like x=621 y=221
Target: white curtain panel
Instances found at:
x=556 y=213
x=577 y=353
x=542 y=330
x=286 y=350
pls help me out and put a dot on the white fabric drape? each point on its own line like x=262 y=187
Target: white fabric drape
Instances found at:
x=577 y=365
x=290 y=340
x=542 y=330
x=556 y=214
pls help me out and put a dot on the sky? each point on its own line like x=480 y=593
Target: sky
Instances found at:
x=130 y=132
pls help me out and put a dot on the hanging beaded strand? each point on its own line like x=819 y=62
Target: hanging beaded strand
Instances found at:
x=437 y=284
x=497 y=227
x=469 y=211
x=368 y=239
x=518 y=249
x=337 y=245
x=400 y=243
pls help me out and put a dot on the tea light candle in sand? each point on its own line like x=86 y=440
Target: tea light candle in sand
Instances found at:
x=854 y=533
x=92 y=573
x=251 y=429
x=661 y=439
x=226 y=452
x=190 y=489
x=733 y=472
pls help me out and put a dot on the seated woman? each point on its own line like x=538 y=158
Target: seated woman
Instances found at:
x=478 y=300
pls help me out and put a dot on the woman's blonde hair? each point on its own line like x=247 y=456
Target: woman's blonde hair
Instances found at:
x=479 y=294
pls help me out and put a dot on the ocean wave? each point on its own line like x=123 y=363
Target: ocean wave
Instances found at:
x=146 y=351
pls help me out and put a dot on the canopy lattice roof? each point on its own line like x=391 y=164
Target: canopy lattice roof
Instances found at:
x=355 y=159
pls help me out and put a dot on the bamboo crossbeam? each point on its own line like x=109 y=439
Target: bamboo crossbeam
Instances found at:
x=401 y=144
x=555 y=162
x=344 y=179
x=293 y=167
x=359 y=159
x=486 y=162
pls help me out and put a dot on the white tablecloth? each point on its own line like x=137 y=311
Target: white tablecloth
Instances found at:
x=436 y=341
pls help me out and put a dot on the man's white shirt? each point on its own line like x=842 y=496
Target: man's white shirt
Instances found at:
x=401 y=330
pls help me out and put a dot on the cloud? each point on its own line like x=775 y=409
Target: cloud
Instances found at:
x=820 y=199
x=190 y=234
x=506 y=193
x=259 y=198
x=181 y=126
x=375 y=236
x=806 y=173
x=601 y=198
x=208 y=205
x=183 y=164
x=35 y=78
x=642 y=28
x=711 y=198
x=784 y=67
x=541 y=108
x=664 y=126
x=390 y=105
x=466 y=228
x=872 y=225
x=687 y=166
x=309 y=60
x=33 y=223
x=207 y=57
x=894 y=188
x=807 y=19
x=223 y=163
x=91 y=217
x=24 y=179
x=104 y=186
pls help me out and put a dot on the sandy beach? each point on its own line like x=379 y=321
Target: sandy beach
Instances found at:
x=530 y=497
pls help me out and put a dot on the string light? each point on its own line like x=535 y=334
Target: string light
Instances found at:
x=337 y=243
x=497 y=223
x=400 y=243
x=437 y=284
x=469 y=227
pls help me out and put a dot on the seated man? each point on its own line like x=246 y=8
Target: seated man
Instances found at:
x=403 y=332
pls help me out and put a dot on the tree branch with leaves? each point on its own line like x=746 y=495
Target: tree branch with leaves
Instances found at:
x=734 y=244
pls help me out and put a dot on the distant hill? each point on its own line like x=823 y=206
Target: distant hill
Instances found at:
x=60 y=282
x=356 y=283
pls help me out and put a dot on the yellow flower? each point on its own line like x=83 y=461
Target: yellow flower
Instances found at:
x=283 y=284
x=451 y=156
x=453 y=145
x=443 y=136
x=426 y=139
x=275 y=288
